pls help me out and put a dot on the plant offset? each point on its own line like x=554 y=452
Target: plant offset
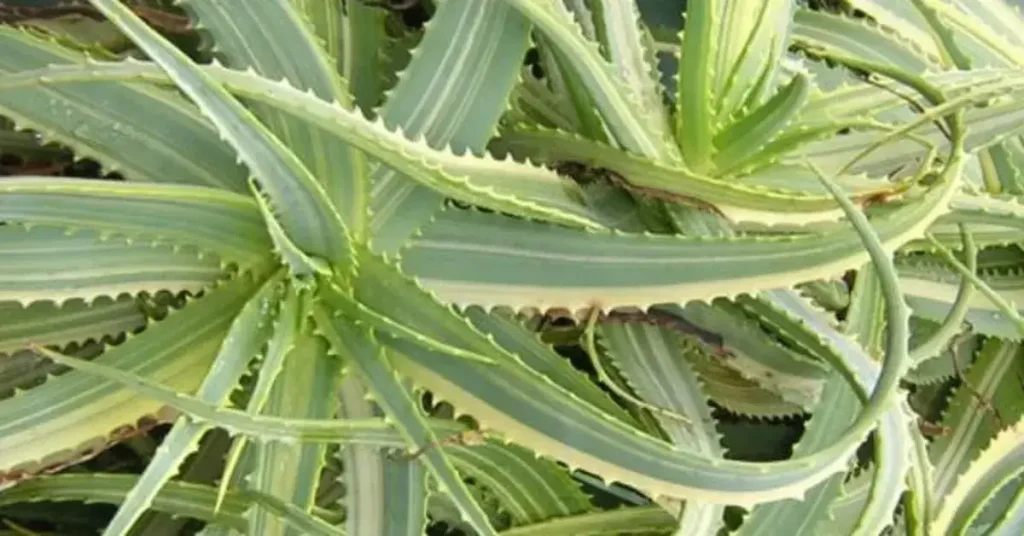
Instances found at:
x=534 y=267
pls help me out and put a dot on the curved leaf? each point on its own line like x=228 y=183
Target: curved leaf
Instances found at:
x=210 y=219
x=146 y=133
x=471 y=258
x=45 y=426
x=35 y=266
x=306 y=213
x=272 y=38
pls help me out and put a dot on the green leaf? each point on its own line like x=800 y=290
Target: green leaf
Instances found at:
x=35 y=266
x=274 y=40
x=529 y=488
x=360 y=29
x=999 y=463
x=1012 y=520
x=305 y=211
x=627 y=43
x=650 y=359
x=453 y=92
x=749 y=55
x=472 y=258
x=931 y=291
x=512 y=336
x=994 y=377
x=635 y=519
x=615 y=100
x=769 y=195
x=43 y=426
x=176 y=497
x=503 y=185
x=210 y=219
x=357 y=347
x=696 y=80
x=835 y=410
x=980 y=32
x=266 y=428
x=732 y=391
x=818 y=29
x=750 y=133
x=247 y=334
x=306 y=388
x=753 y=353
x=286 y=327
x=74 y=321
x=383 y=495
x=145 y=133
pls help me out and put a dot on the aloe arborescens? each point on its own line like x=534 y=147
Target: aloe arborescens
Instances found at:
x=341 y=215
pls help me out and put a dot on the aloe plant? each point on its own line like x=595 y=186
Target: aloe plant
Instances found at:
x=343 y=241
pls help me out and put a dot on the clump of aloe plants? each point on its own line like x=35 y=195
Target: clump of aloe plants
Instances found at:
x=512 y=266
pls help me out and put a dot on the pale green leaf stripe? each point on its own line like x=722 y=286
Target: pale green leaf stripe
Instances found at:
x=472 y=258
x=271 y=37
x=632 y=519
x=856 y=98
x=248 y=332
x=999 y=16
x=453 y=91
x=73 y=409
x=75 y=321
x=355 y=345
x=977 y=208
x=505 y=185
x=651 y=360
x=998 y=464
x=306 y=388
x=530 y=489
x=211 y=219
x=48 y=264
x=146 y=133
x=304 y=209
x=612 y=97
